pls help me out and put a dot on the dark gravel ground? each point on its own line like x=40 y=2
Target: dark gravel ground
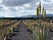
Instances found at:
x=50 y=35
x=20 y=33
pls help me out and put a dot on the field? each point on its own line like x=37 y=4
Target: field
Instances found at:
x=7 y=26
x=39 y=29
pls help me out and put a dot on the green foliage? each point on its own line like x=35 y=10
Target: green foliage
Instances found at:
x=30 y=28
x=41 y=33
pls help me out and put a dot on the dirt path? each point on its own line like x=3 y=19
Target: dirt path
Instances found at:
x=20 y=33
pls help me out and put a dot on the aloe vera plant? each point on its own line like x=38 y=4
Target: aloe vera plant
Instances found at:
x=41 y=33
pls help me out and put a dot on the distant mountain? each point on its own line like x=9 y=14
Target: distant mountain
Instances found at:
x=29 y=16
x=1 y=17
x=49 y=15
x=34 y=16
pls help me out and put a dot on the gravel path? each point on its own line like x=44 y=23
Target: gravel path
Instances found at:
x=50 y=35
x=20 y=33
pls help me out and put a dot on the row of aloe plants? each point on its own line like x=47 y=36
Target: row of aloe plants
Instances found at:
x=40 y=33
x=7 y=30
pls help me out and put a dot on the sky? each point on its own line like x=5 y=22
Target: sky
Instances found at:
x=19 y=8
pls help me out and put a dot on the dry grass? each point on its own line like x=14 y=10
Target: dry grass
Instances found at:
x=36 y=23
x=4 y=31
x=39 y=31
x=4 y=22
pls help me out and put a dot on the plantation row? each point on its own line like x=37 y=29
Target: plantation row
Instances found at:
x=6 y=22
x=40 y=31
x=35 y=23
x=4 y=31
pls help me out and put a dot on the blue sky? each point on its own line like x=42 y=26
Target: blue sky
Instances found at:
x=19 y=8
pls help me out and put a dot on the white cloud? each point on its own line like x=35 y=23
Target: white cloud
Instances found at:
x=49 y=12
x=26 y=9
x=13 y=3
x=1 y=1
x=20 y=11
x=27 y=5
x=50 y=1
